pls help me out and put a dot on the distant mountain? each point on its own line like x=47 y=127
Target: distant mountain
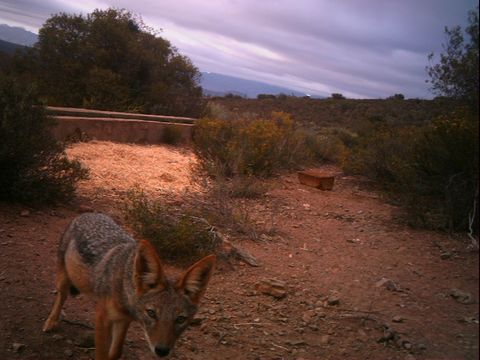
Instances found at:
x=17 y=35
x=214 y=84
x=9 y=48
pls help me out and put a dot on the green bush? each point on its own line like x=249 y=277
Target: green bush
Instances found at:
x=330 y=144
x=214 y=110
x=446 y=167
x=176 y=234
x=383 y=154
x=245 y=147
x=33 y=166
x=432 y=169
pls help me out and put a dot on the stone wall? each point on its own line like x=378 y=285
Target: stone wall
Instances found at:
x=120 y=130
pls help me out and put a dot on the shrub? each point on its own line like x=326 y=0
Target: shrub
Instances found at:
x=432 y=169
x=446 y=167
x=382 y=154
x=265 y=96
x=396 y=97
x=258 y=147
x=326 y=146
x=214 y=110
x=330 y=144
x=177 y=235
x=33 y=166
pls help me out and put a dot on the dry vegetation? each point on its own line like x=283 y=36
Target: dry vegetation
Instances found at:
x=346 y=113
x=117 y=168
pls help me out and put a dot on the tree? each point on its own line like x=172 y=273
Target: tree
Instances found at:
x=337 y=96
x=396 y=97
x=111 y=60
x=456 y=74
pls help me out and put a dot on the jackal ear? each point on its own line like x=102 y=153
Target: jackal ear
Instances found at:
x=195 y=280
x=147 y=269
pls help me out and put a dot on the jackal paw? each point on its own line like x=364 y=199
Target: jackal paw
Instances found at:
x=49 y=325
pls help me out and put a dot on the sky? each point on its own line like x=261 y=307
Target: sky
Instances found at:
x=360 y=48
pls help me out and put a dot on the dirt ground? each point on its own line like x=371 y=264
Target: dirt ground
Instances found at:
x=360 y=284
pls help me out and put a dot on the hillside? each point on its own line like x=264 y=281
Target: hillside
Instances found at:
x=17 y=35
x=218 y=84
x=9 y=48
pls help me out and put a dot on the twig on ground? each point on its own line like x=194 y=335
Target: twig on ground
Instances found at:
x=471 y=221
x=280 y=347
x=78 y=323
x=234 y=250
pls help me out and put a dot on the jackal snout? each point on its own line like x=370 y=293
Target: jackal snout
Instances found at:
x=166 y=307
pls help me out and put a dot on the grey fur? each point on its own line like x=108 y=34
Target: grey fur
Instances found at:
x=97 y=257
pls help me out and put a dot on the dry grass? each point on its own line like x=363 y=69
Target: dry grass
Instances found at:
x=164 y=175
x=117 y=168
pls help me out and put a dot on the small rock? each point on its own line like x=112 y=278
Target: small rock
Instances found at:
x=68 y=353
x=295 y=342
x=397 y=319
x=462 y=296
x=25 y=213
x=333 y=300
x=86 y=340
x=409 y=357
x=422 y=346
x=204 y=328
x=57 y=337
x=17 y=347
x=272 y=287
x=388 y=284
x=388 y=334
x=445 y=255
x=309 y=315
x=324 y=339
x=465 y=319
x=407 y=345
x=362 y=333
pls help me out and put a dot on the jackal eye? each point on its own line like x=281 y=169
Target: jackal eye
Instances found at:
x=151 y=313
x=180 y=320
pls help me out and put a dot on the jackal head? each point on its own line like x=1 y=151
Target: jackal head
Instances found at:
x=164 y=307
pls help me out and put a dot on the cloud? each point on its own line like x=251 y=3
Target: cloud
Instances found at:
x=360 y=48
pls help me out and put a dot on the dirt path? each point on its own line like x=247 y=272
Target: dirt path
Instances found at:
x=328 y=247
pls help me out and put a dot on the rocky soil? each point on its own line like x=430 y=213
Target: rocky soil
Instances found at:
x=340 y=276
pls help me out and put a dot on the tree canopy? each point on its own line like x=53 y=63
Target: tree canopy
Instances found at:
x=109 y=59
x=456 y=74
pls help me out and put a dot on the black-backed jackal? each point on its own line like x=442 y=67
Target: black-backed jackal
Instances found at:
x=125 y=277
